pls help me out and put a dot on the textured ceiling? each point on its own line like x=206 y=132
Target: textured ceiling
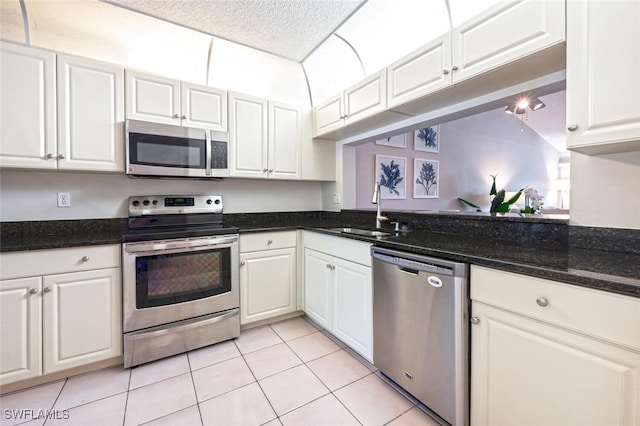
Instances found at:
x=288 y=28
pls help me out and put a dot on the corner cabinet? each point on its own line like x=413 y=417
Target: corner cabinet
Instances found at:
x=603 y=65
x=168 y=101
x=267 y=275
x=338 y=288
x=362 y=100
x=60 y=309
x=265 y=138
x=550 y=353
x=89 y=117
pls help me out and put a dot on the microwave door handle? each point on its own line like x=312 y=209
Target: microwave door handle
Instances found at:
x=208 y=148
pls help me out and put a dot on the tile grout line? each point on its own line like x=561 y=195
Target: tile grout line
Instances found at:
x=195 y=391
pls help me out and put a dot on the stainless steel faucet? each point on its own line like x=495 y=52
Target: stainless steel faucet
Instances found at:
x=376 y=200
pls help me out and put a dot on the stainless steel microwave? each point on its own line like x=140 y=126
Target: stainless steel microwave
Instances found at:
x=164 y=150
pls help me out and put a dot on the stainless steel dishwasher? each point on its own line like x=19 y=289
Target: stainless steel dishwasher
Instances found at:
x=421 y=329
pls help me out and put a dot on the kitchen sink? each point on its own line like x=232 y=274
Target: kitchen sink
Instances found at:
x=363 y=232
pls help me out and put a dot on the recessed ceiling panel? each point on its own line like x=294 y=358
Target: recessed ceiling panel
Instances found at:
x=288 y=28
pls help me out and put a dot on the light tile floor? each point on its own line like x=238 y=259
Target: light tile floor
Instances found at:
x=287 y=373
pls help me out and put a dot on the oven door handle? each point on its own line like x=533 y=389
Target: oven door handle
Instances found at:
x=220 y=242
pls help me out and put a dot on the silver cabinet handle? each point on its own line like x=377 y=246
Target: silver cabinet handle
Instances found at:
x=61 y=156
x=454 y=68
x=264 y=170
x=33 y=291
x=445 y=72
x=184 y=117
x=328 y=266
x=475 y=320
x=85 y=258
x=270 y=242
x=573 y=127
x=542 y=301
x=243 y=263
x=49 y=155
x=47 y=289
x=270 y=170
x=176 y=115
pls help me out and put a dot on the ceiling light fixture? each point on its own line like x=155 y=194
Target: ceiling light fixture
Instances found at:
x=519 y=107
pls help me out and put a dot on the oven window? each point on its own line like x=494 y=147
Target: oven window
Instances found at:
x=166 y=279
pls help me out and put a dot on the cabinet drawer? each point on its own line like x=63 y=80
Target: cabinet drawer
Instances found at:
x=56 y=261
x=607 y=316
x=267 y=241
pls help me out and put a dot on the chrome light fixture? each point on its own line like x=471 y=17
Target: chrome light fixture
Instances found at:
x=519 y=107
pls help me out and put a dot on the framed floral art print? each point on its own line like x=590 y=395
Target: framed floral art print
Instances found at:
x=390 y=173
x=425 y=178
x=427 y=139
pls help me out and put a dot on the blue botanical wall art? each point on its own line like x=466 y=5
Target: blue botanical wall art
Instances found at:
x=397 y=141
x=391 y=172
x=427 y=139
x=425 y=178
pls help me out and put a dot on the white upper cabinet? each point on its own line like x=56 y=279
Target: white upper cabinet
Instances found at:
x=424 y=71
x=603 y=76
x=164 y=100
x=248 y=136
x=505 y=33
x=203 y=107
x=265 y=138
x=90 y=115
x=285 y=135
x=362 y=100
x=28 y=105
x=60 y=112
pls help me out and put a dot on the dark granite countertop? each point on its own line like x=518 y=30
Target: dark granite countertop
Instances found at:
x=523 y=246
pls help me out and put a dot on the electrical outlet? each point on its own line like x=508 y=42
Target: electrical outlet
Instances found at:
x=336 y=198
x=64 y=199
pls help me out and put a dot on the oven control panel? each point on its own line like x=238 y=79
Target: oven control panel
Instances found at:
x=142 y=205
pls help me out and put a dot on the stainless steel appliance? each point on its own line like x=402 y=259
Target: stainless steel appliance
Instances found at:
x=163 y=150
x=180 y=277
x=421 y=329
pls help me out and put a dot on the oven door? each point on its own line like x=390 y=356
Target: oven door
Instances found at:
x=172 y=280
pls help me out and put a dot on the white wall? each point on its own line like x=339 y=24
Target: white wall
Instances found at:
x=471 y=149
x=605 y=190
x=28 y=195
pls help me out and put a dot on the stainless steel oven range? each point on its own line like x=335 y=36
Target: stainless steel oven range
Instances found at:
x=180 y=277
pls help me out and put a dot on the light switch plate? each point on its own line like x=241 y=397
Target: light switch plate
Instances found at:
x=336 y=198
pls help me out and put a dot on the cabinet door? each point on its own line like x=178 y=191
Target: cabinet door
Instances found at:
x=505 y=33
x=603 y=65
x=366 y=98
x=353 y=306
x=285 y=135
x=82 y=318
x=318 y=287
x=527 y=372
x=27 y=122
x=90 y=115
x=424 y=71
x=267 y=284
x=203 y=107
x=248 y=136
x=329 y=115
x=21 y=332
x=152 y=98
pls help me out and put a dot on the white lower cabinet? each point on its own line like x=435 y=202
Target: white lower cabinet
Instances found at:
x=537 y=359
x=338 y=289
x=58 y=321
x=267 y=275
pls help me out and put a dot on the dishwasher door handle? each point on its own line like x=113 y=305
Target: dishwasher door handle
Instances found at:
x=409 y=271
